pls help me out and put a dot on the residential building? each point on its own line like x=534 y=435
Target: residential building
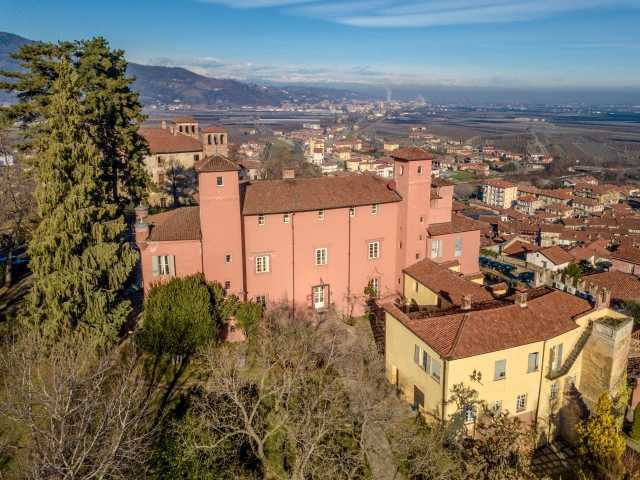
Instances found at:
x=499 y=193
x=309 y=242
x=553 y=258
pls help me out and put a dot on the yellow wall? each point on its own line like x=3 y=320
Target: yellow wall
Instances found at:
x=423 y=296
x=399 y=351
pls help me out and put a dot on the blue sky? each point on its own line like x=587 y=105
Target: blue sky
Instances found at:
x=519 y=43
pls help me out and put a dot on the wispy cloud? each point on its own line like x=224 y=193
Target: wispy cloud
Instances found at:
x=424 y=13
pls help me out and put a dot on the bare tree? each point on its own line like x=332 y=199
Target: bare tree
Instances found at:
x=83 y=414
x=17 y=206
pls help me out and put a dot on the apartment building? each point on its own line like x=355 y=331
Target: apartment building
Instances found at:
x=527 y=354
x=499 y=193
x=309 y=242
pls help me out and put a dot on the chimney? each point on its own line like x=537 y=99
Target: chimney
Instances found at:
x=142 y=231
x=521 y=298
x=141 y=212
x=164 y=124
x=288 y=173
x=466 y=302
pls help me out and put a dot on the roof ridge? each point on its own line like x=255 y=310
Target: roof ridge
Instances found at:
x=454 y=344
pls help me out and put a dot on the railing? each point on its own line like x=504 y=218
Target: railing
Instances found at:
x=571 y=359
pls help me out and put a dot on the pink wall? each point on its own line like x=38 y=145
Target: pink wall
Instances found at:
x=470 y=248
x=188 y=259
x=292 y=250
x=220 y=223
x=415 y=189
x=440 y=211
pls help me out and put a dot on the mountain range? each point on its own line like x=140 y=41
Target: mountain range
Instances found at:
x=159 y=85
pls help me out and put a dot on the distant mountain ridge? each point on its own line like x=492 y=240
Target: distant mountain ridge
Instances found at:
x=168 y=85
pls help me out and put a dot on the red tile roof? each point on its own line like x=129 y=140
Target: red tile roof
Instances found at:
x=499 y=183
x=216 y=163
x=458 y=224
x=496 y=326
x=557 y=255
x=446 y=283
x=213 y=129
x=320 y=193
x=411 y=153
x=627 y=254
x=175 y=225
x=161 y=140
x=185 y=119
x=623 y=286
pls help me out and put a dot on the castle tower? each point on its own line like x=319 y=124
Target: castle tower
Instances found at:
x=187 y=126
x=215 y=140
x=221 y=223
x=412 y=173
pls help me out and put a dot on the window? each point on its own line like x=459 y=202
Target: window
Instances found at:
x=417 y=355
x=426 y=362
x=374 y=209
x=532 y=363
x=285 y=218
x=219 y=182
x=320 y=214
x=321 y=256
x=521 y=403
x=436 y=248
x=500 y=372
x=262 y=264
x=374 y=283
x=227 y=258
x=352 y=212
x=196 y=157
x=401 y=170
x=209 y=139
x=163 y=265
x=556 y=357
x=227 y=284
x=553 y=393
x=417 y=256
x=458 y=247
x=416 y=286
x=374 y=250
x=161 y=161
x=421 y=219
x=261 y=300
x=260 y=219
x=318 y=296
x=436 y=369
x=419 y=170
x=469 y=413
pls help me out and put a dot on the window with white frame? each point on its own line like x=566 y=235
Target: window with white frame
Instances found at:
x=321 y=256
x=436 y=369
x=458 y=247
x=419 y=170
x=286 y=218
x=374 y=283
x=436 y=248
x=261 y=300
x=374 y=250
x=469 y=413
x=500 y=370
x=556 y=357
x=261 y=220
x=374 y=209
x=263 y=264
x=521 y=402
x=163 y=265
x=219 y=182
x=352 y=212
x=320 y=214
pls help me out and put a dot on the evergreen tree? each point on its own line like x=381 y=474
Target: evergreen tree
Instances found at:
x=111 y=109
x=635 y=427
x=79 y=258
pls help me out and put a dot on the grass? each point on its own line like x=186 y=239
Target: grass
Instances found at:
x=461 y=176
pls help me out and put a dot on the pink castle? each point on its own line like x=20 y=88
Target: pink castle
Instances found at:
x=310 y=242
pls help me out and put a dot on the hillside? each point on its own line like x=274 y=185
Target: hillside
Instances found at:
x=166 y=85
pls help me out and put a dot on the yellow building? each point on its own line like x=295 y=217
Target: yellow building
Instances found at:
x=527 y=354
x=499 y=193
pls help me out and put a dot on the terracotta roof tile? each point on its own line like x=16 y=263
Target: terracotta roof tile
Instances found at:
x=411 y=153
x=623 y=286
x=627 y=254
x=458 y=224
x=306 y=194
x=213 y=129
x=175 y=225
x=494 y=328
x=447 y=284
x=557 y=255
x=216 y=163
x=161 y=140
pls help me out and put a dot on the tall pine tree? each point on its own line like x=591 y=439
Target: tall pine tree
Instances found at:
x=112 y=110
x=79 y=256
